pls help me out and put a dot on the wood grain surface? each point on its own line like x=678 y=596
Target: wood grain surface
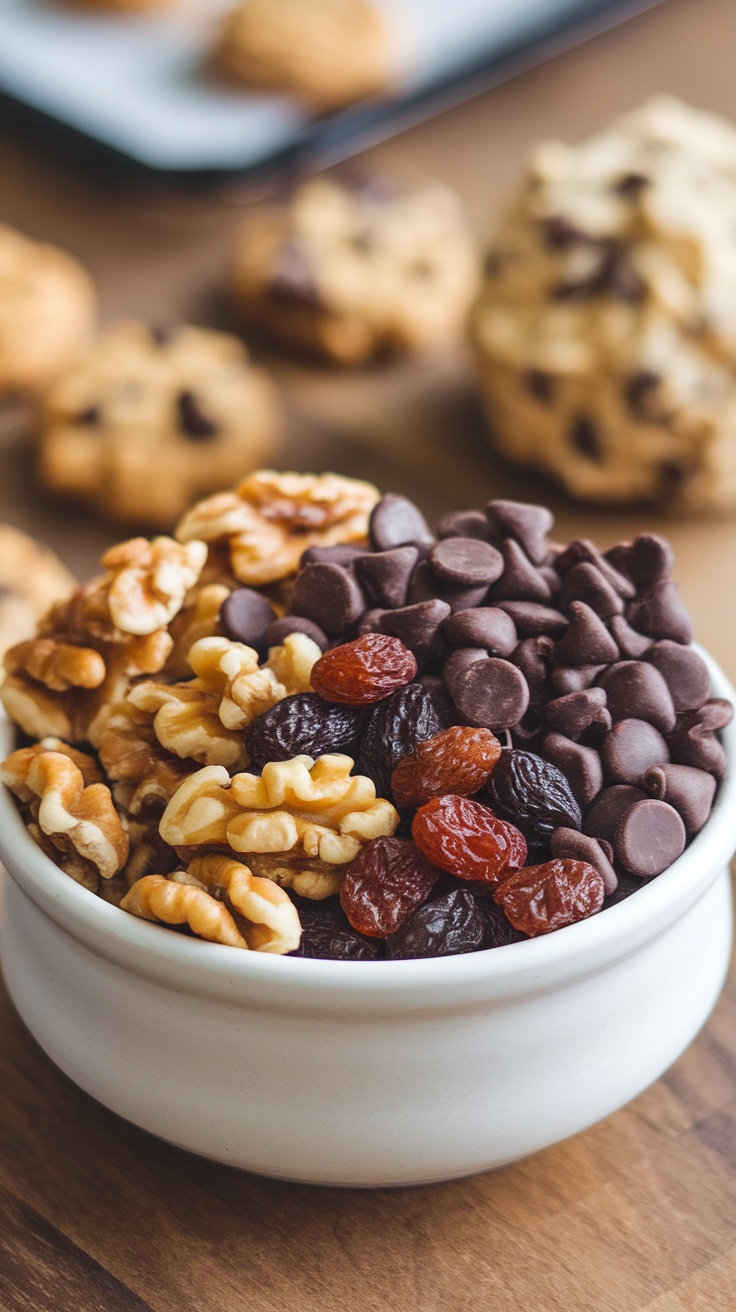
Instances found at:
x=637 y=1213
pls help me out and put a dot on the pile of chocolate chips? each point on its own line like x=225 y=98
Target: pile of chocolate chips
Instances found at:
x=577 y=660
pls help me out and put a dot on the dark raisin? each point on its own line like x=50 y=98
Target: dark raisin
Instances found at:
x=328 y=934
x=394 y=728
x=499 y=930
x=388 y=879
x=302 y=725
x=533 y=794
x=452 y=923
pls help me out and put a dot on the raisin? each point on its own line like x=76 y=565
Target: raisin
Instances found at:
x=538 y=899
x=457 y=760
x=394 y=727
x=301 y=725
x=327 y=933
x=499 y=931
x=467 y=839
x=364 y=671
x=452 y=923
x=388 y=879
x=533 y=794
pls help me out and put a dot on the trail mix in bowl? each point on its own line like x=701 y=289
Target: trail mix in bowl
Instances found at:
x=306 y=724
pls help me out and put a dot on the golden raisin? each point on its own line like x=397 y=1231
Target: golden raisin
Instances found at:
x=467 y=839
x=538 y=899
x=365 y=671
x=457 y=760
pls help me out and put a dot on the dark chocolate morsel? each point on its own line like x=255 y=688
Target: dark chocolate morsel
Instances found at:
x=631 y=748
x=584 y=552
x=693 y=740
x=528 y=524
x=491 y=693
x=485 y=626
x=579 y=714
x=532 y=618
x=631 y=644
x=684 y=672
x=570 y=844
x=585 y=582
x=329 y=595
x=649 y=836
x=419 y=627
x=660 y=613
x=286 y=624
x=193 y=422
x=464 y=524
x=647 y=560
x=384 y=575
x=637 y=690
x=342 y=553
x=573 y=678
x=602 y=816
x=580 y=765
x=458 y=662
x=586 y=640
x=534 y=658
x=689 y=790
x=521 y=580
x=245 y=616
x=395 y=520
x=466 y=562
x=425 y=586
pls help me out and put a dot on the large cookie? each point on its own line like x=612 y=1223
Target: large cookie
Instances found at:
x=331 y=52
x=606 y=330
x=32 y=578
x=355 y=267
x=145 y=424
x=47 y=310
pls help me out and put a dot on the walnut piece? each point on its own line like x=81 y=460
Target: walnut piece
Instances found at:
x=309 y=814
x=74 y=817
x=175 y=903
x=271 y=519
x=148 y=581
x=266 y=915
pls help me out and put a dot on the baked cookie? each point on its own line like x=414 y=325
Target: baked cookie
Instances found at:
x=32 y=578
x=331 y=52
x=606 y=329
x=146 y=423
x=356 y=267
x=47 y=311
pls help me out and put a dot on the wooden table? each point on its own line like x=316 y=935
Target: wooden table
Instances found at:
x=638 y=1212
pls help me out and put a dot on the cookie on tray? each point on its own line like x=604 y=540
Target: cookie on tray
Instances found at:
x=330 y=52
x=148 y=422
x=355 y=267
x=47 y=311
x=606 y=329
x=32 y=578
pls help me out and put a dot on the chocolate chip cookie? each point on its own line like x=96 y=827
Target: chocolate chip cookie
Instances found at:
x=330 y=52
x=47 y=310
x=32 y=578
x=146 y=422
x=606 y=330
x=355 y=267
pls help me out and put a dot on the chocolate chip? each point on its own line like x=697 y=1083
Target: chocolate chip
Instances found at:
x=395 y=520
x=491 y=693
x=684 y=672
x=689 y=790
x=89 y=417
x=573 y=678
x=585 y=582
x=520 y=580
x=540 y=384
x=660 y=613
x=582 y=551
x=193 y=422
x=631 y=644
x=646 y=561
x=245 y=616
x=466 y=562
x=532 y=619
x=630 y=185
x=581 y=765
x=586 y=640
x=281 y=628
x=343 y=553
x=693 y=740
x=384 y=575
x=636 y=689
x=574 y=846
x=424 y=585
x=620 y=277
x=526 y=523
x=585 y=438
x=602 y=817
x=560 y=233
x=418 y=626
x=649 y=837
x=579 y=714
x=329 y=595
x=534 y=658
x=464 y=524
x=630 y=749
x=458 y=662
x=291 y=280
x=641 y=394
x=486 y=626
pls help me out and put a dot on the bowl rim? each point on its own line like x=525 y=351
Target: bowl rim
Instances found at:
x=550 y=960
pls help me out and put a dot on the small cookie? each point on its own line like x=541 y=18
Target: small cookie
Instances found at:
x=32 y=578
x=353 y=268
x=331 y=52
x=606 y=330
x=47 y=311
x=145 y=423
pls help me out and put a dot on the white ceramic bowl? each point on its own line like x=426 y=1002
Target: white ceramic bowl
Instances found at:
x=368 y=1073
